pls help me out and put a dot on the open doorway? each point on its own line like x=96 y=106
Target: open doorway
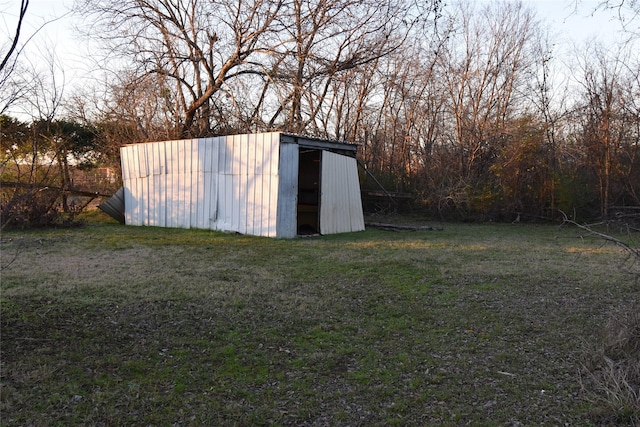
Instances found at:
x=309 y=191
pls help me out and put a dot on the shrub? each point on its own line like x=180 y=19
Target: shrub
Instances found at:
x=32 y=208
x=611 y=380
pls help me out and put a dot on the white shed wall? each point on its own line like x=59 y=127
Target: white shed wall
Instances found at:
x=224 y=183
x=340 y=200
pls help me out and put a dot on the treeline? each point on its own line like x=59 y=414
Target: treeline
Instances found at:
x=51 y=170
x=472 y=109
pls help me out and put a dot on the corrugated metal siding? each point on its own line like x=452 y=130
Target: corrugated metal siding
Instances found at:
x=114 y=206
x=225 y=183
x=340 y=201
x=288 y=191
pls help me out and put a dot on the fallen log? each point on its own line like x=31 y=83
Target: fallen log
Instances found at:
x=93 y=194
x=400 y=227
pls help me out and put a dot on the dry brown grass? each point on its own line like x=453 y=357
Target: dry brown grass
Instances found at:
x=611 y=380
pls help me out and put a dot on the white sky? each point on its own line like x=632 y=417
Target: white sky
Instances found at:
x=568 y=26
x=578 y=24
x=38 y=13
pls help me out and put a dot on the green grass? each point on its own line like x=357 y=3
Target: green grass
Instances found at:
x=471 y=325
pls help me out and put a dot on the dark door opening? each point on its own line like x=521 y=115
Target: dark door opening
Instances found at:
x=309 y=191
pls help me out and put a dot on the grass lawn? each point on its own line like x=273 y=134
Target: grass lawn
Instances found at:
x=110 y=325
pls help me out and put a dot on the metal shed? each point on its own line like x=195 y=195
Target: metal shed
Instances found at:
x=266 y=184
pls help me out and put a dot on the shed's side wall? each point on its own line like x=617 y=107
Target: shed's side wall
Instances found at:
x=224 y=183
x=340 y=200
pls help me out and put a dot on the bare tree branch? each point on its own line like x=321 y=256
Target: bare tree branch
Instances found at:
x=633 y=251
x=24 y=4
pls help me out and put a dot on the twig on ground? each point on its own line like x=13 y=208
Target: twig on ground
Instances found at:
x=19 y=248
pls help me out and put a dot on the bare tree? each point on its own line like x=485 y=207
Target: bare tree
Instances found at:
x=194 y=47
x=16 y=71
x=604 y=130
x=484 y=70
x=38 y=159
x=322 y=42
x=408 y=120
x=263 y=63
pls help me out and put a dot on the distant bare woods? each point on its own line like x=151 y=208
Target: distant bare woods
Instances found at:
x=473 y=109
